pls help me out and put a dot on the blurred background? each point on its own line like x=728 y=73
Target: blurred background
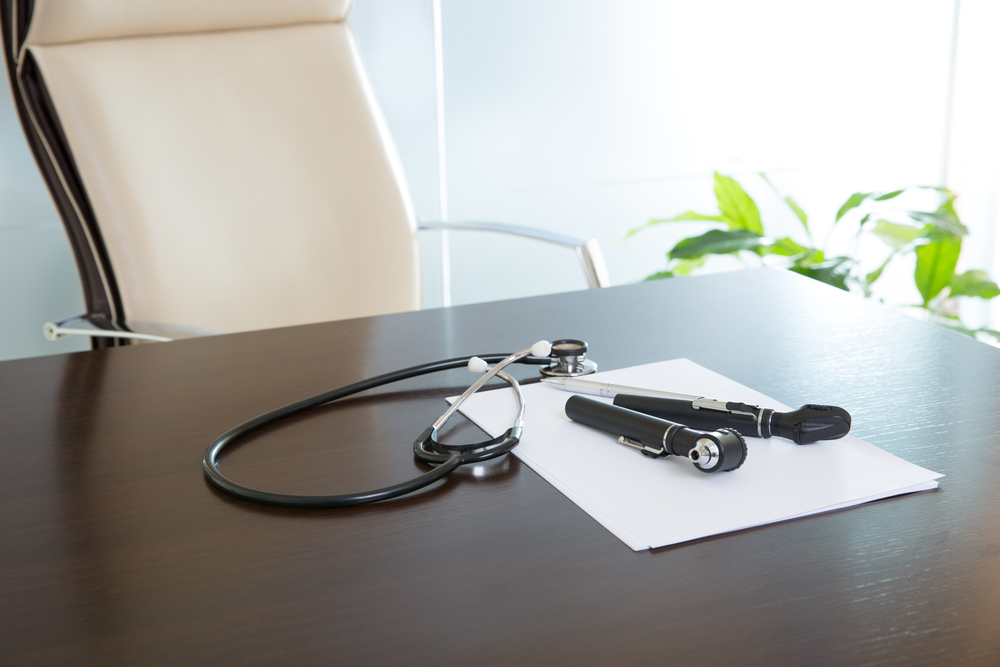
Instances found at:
x=589 y=117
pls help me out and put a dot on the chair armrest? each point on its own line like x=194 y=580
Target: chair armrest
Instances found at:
x=100 y=327
x=588 y=252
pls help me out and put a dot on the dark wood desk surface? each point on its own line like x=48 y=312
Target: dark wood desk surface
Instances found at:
x=115 y=550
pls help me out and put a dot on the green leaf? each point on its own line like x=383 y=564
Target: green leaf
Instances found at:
x=677 y=268
x=852 y=202
x=684 y=267
x=936 y=266
x=690 y=215
x=834 y=272
x=889 y=195
x=798 y=212
x=796 y=209
x=877 y=273
x=717 y=242
x=737 y=207
x=948 y=206
x=990 y=332
x=896 y=235
x=811 y=257
x=974 y=283
x=944 y=222
x=785 y=247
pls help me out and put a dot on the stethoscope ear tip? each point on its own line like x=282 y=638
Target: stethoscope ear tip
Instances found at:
x=477 y=365
x=542 y=348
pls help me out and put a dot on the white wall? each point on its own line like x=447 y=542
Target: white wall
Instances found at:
x=589 y=117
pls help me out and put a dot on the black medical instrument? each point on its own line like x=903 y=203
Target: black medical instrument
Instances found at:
x=563 y=358
x=717 y=451
x=808 y=424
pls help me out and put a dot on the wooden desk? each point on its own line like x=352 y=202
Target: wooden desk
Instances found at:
x=115 y=550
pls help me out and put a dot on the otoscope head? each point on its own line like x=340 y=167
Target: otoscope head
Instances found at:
x=811 y=423
x=724 y=450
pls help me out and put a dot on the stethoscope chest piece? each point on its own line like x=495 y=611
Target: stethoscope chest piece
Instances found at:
x=569 y=359
x=427 y=448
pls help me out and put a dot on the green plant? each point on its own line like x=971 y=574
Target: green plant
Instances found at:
x=933 y=236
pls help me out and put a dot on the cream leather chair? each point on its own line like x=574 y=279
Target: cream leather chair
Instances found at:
x=218 y=164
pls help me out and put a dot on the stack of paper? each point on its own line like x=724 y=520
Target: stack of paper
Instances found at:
x=650 y=503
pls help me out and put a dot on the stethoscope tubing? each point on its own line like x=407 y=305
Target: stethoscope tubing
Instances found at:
x=210 y=462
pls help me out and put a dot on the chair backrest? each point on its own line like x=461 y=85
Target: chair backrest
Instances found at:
x=218 y=163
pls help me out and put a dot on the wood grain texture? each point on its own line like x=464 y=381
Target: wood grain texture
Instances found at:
x=115 y=551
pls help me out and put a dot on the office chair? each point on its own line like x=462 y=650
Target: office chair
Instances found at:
x=219 y=165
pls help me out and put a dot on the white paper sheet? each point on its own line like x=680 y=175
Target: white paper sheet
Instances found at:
x=621 y=489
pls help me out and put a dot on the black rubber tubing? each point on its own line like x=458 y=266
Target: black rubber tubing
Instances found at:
x=210 y=463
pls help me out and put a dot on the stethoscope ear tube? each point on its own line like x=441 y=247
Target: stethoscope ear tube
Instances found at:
x=331 y=501
x=427 y=449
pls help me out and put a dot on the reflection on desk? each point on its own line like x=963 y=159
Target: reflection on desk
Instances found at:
x=116 y=551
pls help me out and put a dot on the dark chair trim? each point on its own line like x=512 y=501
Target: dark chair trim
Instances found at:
x=50 y=148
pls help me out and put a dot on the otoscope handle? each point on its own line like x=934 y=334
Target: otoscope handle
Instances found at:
x=685 y=413
x=723 y=450
x=630 y=424
x=808 y=424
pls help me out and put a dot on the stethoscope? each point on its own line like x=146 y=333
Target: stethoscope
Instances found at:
x=562 y=358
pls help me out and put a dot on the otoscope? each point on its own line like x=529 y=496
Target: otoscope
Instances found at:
x=806 y=425
x=722 y=450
